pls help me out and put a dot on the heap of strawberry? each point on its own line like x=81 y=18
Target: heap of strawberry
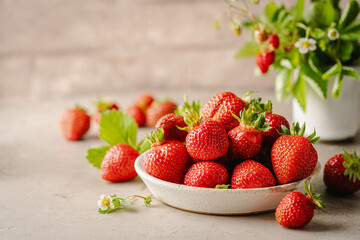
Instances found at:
x=233 y=141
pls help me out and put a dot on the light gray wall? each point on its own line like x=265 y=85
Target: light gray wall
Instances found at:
x=58 y=48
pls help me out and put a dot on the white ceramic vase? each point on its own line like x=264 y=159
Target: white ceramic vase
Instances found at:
x=333 y=119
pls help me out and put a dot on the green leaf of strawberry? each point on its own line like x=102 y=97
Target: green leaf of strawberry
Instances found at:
x=117 y=127
x=96 y=154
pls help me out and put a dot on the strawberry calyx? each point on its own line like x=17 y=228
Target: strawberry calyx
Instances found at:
x=247 y=98
x=156 y=137
x=191 y=118
x=252 y=119
x=194 y=106
x=260 y=107
x=297 y=130
x=352 y=165
x=314 y=198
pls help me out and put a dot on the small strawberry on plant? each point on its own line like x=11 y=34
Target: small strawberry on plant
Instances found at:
x=74 y=123
x=342 y=173
x=111 y=203
x=296 y=210
x=293 y=156
x=274 y=41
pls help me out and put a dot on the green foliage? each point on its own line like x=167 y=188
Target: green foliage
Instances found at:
x=96 y=154
x=352 y=165
x=295 y=129
x=222 y=186
x=252 y=118
x=117 y=127
x=250 y=49
x=315 y=198
x=336 y=34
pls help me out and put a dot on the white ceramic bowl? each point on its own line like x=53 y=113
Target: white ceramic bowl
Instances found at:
x=219 y=201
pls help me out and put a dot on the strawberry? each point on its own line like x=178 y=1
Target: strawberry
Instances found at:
x=296 y=210
x=144 y=101
x=293 y=156
x=74 y=123
x=206 y=174
x=275 y=121
x=260 y=63
x=246 y=139
x=158 y=109
x=251 y=174
x=170 y=123
x=268 y=58
x=342 y=173
x=206 y=139
x=260 y=35
x=274 y=41
x=166 y=160
x=103 y=104
x=137 y=114
x=118 y=163
x=220 y=107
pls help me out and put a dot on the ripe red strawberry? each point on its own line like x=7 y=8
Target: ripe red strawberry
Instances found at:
x=342 y=173
x=118 y=163
x=296 y=210
x=251 y=174
x=74 y=123
x=144 y=101
x=268 y=58
x=206 y=174
x=293 y=156
x=275 y=121
x=166 y=160
x=158 y=109
x=137 y=114
x=246 y=139
x=220 y=107
x=103 y=104
x=274 y=41
x=260 y=63
x=170 y=123
x=206 y=140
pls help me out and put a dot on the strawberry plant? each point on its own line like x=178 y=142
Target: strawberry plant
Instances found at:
x=306 y=44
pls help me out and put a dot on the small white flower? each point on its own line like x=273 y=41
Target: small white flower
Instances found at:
x=333 y=34
x=305 y=45
x=105 y=202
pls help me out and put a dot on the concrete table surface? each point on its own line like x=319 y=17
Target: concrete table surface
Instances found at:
x=48 y=190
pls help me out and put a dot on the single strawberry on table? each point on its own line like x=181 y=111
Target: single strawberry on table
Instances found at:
x=251 y=174
x=166 y=160
x=74 y=123
x=137 y=114
x=118 y=163
x=293 y=156
x=220 y=107
x=246 y=139
x=207 y=174
x=342 y=173
x=116 y=160
x=206 y=139
x=158 y=109
x=296 y=210
x=144 y=101
x=103 y=104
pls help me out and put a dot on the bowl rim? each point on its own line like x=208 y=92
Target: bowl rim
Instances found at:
x=139 y=168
